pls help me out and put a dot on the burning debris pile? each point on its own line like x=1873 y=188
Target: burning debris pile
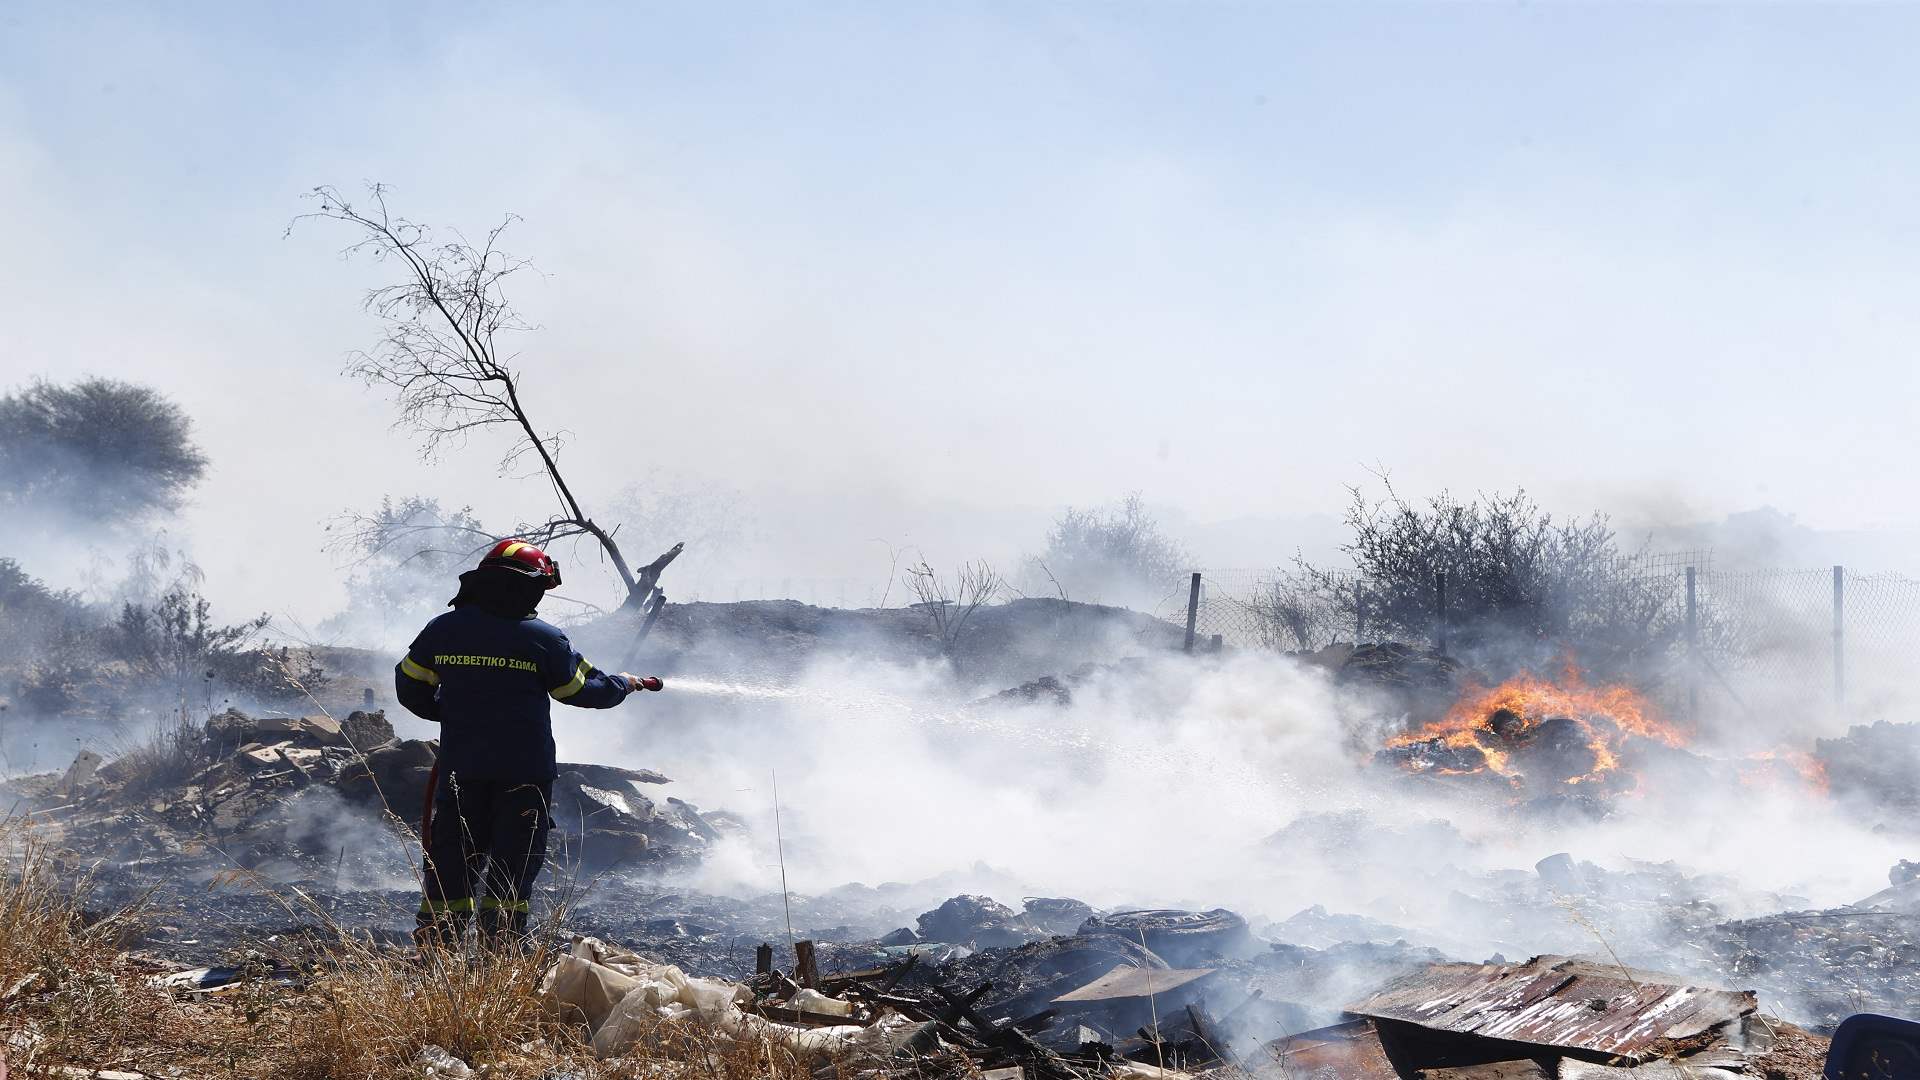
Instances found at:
x=1527 y=737
x=1539 y=737
x=1569 y=742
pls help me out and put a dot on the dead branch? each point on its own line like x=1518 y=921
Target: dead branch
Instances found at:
x=950 y=602
x=441 y=357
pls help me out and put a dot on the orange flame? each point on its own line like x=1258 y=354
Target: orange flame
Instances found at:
x=1606 y=716
x=1767 y=767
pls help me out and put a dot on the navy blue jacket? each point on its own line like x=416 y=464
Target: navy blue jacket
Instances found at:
x=486 y=680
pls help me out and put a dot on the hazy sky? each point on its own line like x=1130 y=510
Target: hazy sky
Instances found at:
x=924 y=272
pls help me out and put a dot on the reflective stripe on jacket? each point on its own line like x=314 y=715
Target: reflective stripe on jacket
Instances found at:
x=489 y=682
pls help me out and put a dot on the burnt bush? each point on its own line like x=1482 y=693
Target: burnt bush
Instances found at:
x=165 y=757
x=157 y=655
x=1521 y=587
x=175 y=642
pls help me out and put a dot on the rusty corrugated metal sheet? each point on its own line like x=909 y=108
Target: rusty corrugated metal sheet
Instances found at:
x=1349 y=1051
x=1558 y=1002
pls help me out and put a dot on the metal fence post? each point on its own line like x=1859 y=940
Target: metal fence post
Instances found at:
x=1193 y=609
x=1839 y=638
x=1693 y=647
x=1440 y=611
x=1359 y=612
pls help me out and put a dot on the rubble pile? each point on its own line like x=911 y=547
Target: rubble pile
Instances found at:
x=1402 y=679
x=1815 y=966
x=1872 y=768
x=859 y=1020
x=328 y=804
x=978 y=922
x=1244 y=991
x=1053 y=989
x=240 y=792
x=1047 y=689
x=1093 y=1005
x=1180 y=936
x=1827 y=965
x=1394 y=665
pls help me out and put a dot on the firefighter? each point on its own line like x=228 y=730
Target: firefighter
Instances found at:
x=485 y=672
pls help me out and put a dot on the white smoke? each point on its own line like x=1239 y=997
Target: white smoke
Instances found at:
x=1161 y=784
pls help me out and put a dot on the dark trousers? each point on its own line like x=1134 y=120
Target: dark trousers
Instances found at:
x=486 y=842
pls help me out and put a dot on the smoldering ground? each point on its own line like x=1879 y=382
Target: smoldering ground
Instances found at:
x=1242 y=781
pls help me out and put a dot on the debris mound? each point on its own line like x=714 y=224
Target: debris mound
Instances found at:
x=1394 y=665
x=977 y=921
x=1179 y=936
x=312 y=798
x=1873 y=766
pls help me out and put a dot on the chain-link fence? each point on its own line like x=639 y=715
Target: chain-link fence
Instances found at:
x=1758 y=643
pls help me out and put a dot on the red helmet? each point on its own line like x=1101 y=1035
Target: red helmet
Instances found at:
x=523 y=558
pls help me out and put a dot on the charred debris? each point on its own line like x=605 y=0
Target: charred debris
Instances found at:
x=885 y=980
x=1099 y=1004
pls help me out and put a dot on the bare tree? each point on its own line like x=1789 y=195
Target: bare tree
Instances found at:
x=950 y=602
x=1046 y=571
x=441 y=355
x=396 y=556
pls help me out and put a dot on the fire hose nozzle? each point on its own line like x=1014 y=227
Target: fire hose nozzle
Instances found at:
x=652 y=682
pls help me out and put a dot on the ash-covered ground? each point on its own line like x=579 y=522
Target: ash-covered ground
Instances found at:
x=1005 y=815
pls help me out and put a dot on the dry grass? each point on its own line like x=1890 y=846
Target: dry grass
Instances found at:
x=365 y=1011
x=74 y=997
x=61 y=1000
x=370 y=1012
x=165 y=757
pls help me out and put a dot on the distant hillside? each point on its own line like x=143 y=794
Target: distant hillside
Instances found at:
x=1001 y=645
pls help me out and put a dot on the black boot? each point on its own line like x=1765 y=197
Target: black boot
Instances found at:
x=503 y=924
x=442 y=924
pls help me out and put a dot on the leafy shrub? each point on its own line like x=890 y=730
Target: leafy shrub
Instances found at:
x=100 y=451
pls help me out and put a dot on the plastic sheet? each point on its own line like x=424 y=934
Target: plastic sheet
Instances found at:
x=621 y=996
